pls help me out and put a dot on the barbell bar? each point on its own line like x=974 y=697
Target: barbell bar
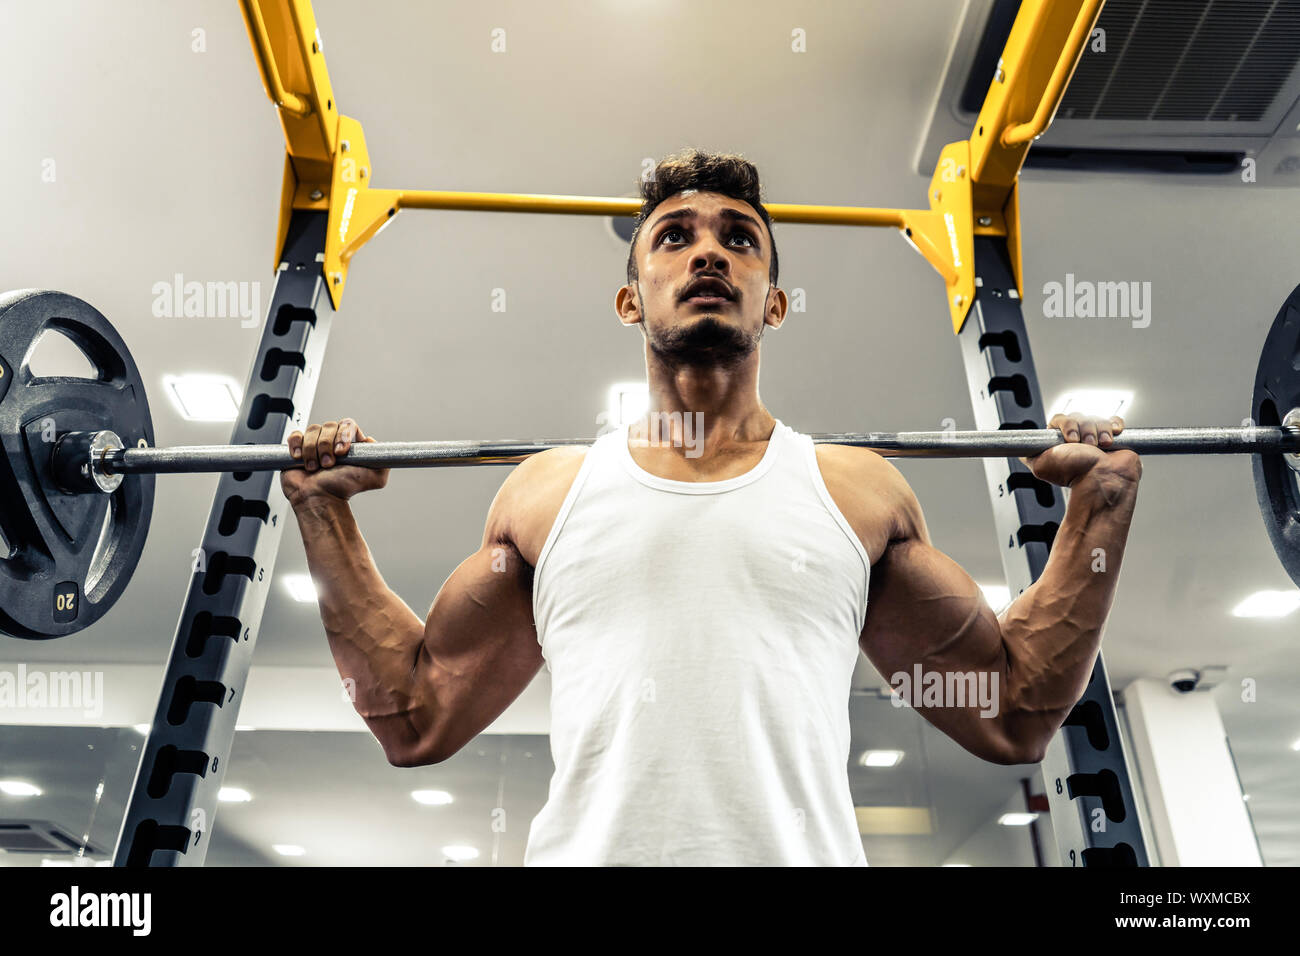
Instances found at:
x=97 y=461
x=78 y=462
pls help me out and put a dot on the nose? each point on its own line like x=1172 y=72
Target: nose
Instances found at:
x=710 y=257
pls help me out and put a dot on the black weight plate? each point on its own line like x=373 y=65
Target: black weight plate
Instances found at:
x=1277 y=391
x=71 y=556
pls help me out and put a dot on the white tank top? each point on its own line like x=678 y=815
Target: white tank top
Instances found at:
x=701 y=639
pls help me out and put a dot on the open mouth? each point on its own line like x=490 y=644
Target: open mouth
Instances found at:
x=708 y=290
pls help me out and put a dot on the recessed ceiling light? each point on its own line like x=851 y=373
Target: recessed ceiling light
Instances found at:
x=1098 y=402
x=301 y=587
x=880 y=758
x=628 y=402
x=432 y=798
x=75 y=861
x=288 y=849
x=998 y=595
x=233 y=795
x=19 y=788
x=200 y=397
x=460 y=853
x=1017 y=819
x=1268 y=604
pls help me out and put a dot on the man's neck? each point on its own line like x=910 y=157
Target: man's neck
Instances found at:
x=698 y=434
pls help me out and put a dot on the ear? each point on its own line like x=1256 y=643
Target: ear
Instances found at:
x=777 y=304
x=628 y=306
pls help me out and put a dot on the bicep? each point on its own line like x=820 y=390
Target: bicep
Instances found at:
x=480 y=647
x=924 y=609
x=922 y=606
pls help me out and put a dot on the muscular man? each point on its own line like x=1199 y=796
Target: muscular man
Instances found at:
x=699 y=584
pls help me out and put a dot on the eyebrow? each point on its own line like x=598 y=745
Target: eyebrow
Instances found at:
x=731 y=215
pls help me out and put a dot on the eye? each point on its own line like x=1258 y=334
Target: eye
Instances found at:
x=673 y=230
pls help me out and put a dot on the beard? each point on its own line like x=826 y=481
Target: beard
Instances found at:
x=707 y=341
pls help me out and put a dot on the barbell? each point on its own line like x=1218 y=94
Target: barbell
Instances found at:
x=79 y=460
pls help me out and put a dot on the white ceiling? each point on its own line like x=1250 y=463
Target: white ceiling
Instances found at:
x=169 y=161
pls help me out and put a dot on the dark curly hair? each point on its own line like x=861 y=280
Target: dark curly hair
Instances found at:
x=729 y=174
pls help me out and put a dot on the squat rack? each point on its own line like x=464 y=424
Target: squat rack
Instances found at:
x=969 y=233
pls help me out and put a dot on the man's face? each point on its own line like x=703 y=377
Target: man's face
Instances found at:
x=702 y=294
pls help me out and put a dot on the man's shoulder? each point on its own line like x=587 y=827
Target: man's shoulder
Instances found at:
x=870 y=491
x=546 y=465
x=532 y=495
x=543 y=479
x=854 y=464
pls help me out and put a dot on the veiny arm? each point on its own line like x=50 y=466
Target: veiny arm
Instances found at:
x=924 y=609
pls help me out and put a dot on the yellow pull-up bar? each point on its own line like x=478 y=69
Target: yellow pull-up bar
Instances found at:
x=974 y=191
x=612 y=206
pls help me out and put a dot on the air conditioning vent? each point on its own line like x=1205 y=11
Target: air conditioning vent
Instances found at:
x=41 y=836
x=1174 y=60
x=1190 y=87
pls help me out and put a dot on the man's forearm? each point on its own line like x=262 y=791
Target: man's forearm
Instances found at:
x=1052 y=632
x=374 y=636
